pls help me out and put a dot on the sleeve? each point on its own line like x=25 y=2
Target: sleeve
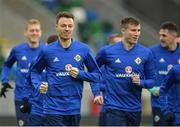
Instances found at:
x=156 y=83
x=100 y=59
x=37 y=69
x=165 y=86
x=150 y=73
x=8 y=65
x=27 y=88
x=94 y=73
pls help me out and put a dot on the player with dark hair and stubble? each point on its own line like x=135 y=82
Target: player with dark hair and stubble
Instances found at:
x=129 y=67
x=22 y=54
x=64 y=61
x=166 y=55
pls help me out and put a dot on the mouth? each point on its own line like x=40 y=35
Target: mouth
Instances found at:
x=135 y=38
x=33 y=42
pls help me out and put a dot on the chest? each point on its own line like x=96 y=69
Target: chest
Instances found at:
x=26 y=57
x=62 y=59
x=126 y=61
x=166 y=61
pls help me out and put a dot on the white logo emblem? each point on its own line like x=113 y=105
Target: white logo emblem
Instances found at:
x=21 y=122
x=77 y=57
x=55 y=59
x=68 y=67
x=128 y=69
x=169 y=67
x=156 y=118
x=29 y=64
x=138 y=60
x=179 y=61
x=162 y=60
x=117 y=60
x=24 y=58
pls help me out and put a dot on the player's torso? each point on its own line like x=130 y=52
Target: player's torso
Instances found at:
x=123 y=64
x=165 y=60
x=25 y=57
x=60 y=61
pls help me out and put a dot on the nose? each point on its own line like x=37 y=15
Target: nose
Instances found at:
x=161 y=38
x=138 y=33
x=66 y=28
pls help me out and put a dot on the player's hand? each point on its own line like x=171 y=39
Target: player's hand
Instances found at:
x=170 y=118
x=25 y=106
x=155 y=90
x=4 y=89
x=136 y=80
x=98 y=100
x=44 y=87
x=74 y=72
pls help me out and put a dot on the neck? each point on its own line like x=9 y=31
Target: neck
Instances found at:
x=128 y=45
x=65 y=42
x=33 y=45
x=172 y=47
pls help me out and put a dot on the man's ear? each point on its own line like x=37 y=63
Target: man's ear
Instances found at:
x=56 y=27
x=122 y=30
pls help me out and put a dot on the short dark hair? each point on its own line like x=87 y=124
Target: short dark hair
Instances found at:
x=64 y=14
x=129 y=20
x=171 y=26
x=52 y=38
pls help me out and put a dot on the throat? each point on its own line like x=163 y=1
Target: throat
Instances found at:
x=128 y=46
x=65 y=43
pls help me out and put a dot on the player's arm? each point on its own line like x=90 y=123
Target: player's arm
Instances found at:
x=93 y=74
x=37 y=69
x=27 y=87
x=155 y=89
x=8 y=65
x=5 y=72
x=150 y=73
x=165 y=86
x=169 y=116
x=100 y=59
x=27 y=91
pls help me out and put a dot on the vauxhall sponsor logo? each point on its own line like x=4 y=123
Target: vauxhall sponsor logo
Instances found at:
x=62 y=74
x=67 y=73
x=164 y=72
x=24 y=70
x=128 y=73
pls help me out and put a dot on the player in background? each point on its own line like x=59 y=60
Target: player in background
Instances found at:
x=172 y=81
x=32 y=101
x=113 y=38
x=22 y=54
x=52 y=38
x=166 y=55
x=64 y=61
x=129 y=67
